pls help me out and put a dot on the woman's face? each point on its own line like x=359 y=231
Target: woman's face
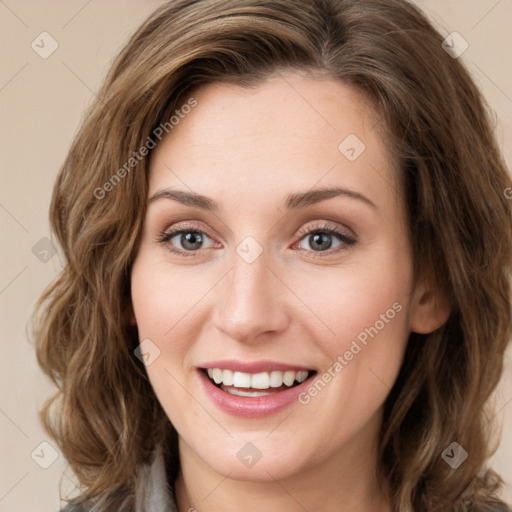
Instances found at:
x=287 y=258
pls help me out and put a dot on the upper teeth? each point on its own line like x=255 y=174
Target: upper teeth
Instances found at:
x=261 y=380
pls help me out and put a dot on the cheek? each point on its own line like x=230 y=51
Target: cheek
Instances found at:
x=357 y=302
x=161 y=313
x=165 y=301
x=367 y=310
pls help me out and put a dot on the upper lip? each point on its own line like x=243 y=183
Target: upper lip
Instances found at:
x=252 y=366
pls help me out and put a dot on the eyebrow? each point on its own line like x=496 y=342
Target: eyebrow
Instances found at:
x=293 y=201
x=186 y=198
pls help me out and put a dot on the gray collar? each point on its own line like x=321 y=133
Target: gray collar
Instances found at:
x=152 y=490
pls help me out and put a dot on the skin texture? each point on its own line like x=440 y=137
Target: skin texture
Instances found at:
x=248 y=149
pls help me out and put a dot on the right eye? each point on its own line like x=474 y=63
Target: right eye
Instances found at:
x=185 y=241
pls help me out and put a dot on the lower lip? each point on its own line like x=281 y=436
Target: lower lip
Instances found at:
x=251 y=407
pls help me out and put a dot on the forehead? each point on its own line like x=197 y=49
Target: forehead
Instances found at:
x=289 y=130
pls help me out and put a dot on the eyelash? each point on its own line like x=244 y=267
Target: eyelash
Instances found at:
x=165 y=236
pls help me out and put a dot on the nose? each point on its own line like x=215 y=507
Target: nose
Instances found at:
x=252 y=302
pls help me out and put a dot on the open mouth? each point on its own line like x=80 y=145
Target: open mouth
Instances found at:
x=256 y=384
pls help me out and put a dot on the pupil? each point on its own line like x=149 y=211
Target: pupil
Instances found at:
x=321 y=238
x=191 y=240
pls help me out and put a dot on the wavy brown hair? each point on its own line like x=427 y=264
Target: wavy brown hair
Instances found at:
x=105 y=415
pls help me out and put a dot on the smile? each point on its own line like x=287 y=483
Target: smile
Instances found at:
x=246 y=389
x=246 y=384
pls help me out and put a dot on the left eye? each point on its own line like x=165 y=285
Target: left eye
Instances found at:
x=322 y=240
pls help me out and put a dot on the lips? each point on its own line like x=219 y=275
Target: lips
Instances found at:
x=253 y=389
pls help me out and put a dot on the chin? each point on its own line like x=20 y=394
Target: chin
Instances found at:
x=271 y=467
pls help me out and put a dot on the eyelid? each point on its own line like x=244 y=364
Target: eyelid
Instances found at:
x=328 y=226
x=185 y=226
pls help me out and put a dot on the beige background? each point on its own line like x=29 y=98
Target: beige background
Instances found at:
x=41 y=105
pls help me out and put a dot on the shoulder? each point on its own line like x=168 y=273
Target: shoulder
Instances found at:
x=73 y=506
x=502 y=507
x=150 y=493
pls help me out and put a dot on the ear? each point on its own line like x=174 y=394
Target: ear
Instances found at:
x=130 y=315
x=430 y=307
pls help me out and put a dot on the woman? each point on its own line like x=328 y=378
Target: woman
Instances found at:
x=288 y=247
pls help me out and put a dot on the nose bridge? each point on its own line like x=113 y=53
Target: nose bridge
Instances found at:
x=250 y=304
